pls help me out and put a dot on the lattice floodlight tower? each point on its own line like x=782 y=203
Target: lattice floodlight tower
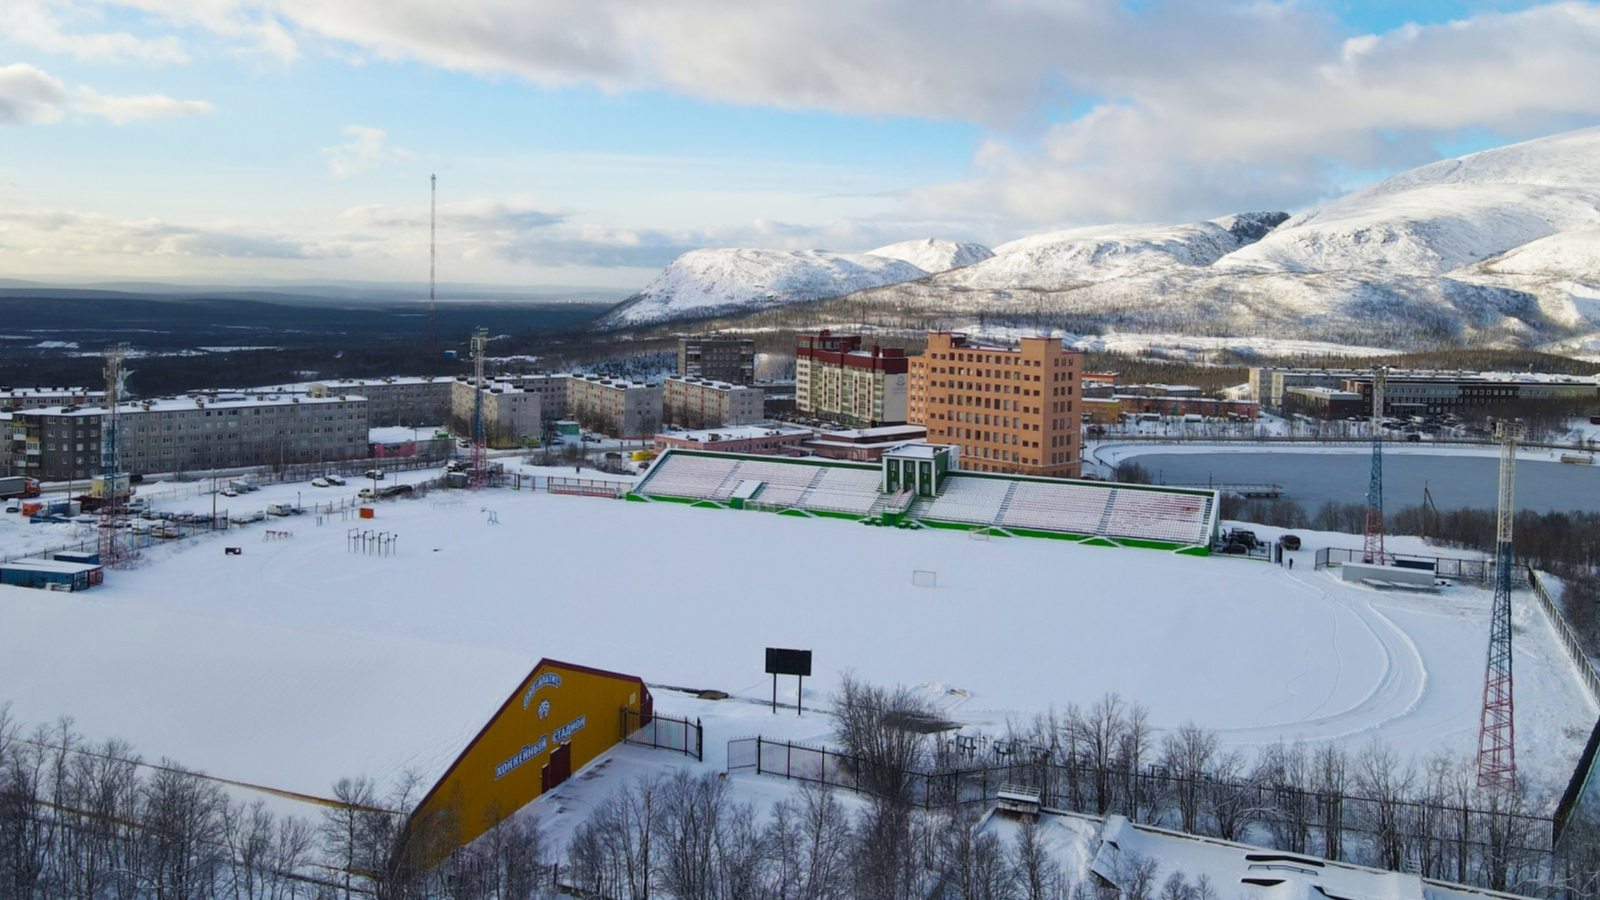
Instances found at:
x=114 y=483
x=1497 y=752
x=1372 y=552
x=479 y=469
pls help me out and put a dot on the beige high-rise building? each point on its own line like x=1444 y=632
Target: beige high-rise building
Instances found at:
x=1012 y=410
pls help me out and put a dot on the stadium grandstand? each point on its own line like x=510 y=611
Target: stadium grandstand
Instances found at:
x=917 y=487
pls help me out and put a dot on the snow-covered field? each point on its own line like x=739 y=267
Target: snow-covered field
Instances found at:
x=298 y=662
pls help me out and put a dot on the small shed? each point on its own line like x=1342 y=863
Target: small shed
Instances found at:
x=51 y=574
x=78 y=556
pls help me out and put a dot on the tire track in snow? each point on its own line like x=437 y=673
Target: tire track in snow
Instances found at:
x=1401 y=683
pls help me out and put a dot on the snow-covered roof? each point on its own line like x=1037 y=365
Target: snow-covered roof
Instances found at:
x=710 y=383
x=388 y=379
x=217 y=401
x=59 y=566
x=886 y=432
x=736 y=433
x=401 y=435
x=1253 y=873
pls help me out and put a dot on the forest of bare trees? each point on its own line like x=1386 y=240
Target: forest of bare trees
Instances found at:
x=85 y=821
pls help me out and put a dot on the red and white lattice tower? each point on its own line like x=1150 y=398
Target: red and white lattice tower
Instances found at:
x=1497 y=746
x=479 y=470
x=1372 y=551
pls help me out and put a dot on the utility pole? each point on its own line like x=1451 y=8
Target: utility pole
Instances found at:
x=1497 y=751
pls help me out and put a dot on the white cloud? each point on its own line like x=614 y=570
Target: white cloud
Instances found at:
x=123 y=110
x=29 y=95
x=365 y=152
x=67 y=234
x=1180 y=109
x=31 y=22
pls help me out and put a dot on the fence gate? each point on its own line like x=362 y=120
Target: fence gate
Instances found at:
x=663 y=733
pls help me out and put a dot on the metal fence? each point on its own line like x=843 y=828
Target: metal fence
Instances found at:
x=664 y=733
x=1569 y=640
x=587 y=487
x=1480 y=570
x=1335 y=824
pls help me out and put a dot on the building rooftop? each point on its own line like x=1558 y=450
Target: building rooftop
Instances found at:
x=50 y=565
x=1330 y=393
x=218 y=401
x=38 y=391
x=391 y=379
x=883 y=433
x=736 y=433
x=709 y=382
x=401 y=435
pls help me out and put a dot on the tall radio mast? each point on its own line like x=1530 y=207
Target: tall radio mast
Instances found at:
x=1497 y=746
x=433 y=255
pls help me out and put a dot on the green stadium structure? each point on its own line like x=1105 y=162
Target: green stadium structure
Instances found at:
x=919 y=486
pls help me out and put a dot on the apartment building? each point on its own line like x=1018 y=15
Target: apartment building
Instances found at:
x=836 y=379
x=511 y=415
x=399 y=400
x=206 y=431
x=625 y=409
x=717 y=359
x=1011 y=410
x=703 y=403
x=551 y=388
x=37 y=397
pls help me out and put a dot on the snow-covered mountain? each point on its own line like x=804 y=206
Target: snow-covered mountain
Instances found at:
x=934 y=255
x=704 y=283
x=1499 y=248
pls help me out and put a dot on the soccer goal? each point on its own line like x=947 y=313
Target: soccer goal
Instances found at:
x=924 y=578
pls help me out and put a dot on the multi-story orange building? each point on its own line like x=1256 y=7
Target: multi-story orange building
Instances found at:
x=1009 y=410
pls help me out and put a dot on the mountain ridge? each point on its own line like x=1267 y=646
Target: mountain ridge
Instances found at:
x=1500 y=248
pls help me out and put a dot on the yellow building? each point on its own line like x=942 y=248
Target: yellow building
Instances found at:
x=559 y=719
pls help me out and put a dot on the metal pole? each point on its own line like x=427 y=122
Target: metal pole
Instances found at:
x=774 y=693
x=800 y=695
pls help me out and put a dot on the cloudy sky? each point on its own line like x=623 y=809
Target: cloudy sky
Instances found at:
x=587 y=142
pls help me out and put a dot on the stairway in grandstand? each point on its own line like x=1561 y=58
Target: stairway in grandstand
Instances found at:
x=1105 y=517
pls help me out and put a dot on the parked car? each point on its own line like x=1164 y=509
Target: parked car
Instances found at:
x=335 y=480
x=12 y=508
x=229 y=492
x=374 y=474
x=319 y=482
x=279 y=509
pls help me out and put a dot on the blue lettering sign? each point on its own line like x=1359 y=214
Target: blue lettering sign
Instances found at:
x=569 y=729
x=548 y=679
x=521 y=756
